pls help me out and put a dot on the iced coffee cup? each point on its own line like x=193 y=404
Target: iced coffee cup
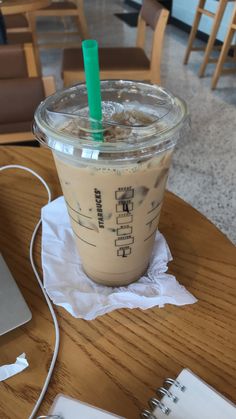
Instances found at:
x=113 y=174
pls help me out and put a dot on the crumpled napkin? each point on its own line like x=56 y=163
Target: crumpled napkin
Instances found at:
x=68 y=286
x=8 y=370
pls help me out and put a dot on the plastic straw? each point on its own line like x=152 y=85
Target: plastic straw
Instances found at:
x=91 y=68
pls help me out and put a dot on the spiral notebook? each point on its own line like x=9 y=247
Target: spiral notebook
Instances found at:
x=186 y=397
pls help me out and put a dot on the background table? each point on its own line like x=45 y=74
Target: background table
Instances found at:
x=11 y=7
x=116 y=361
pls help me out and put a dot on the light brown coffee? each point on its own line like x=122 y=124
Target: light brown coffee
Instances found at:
x=114 y=211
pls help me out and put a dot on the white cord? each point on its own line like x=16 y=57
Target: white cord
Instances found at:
x=57 y=333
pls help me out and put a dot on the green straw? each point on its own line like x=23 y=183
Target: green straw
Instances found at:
x=91 y=68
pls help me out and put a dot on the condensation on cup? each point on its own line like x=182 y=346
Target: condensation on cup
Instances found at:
x=113 y=174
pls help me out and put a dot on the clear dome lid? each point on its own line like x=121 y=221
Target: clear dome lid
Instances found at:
x=135 y=116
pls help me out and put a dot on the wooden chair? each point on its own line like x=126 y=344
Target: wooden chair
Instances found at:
x=18 y=101
x=217 y=17
x=21 y=92
x=17 y=23
x=18 y=30
x=17 y=61
x=25 y=37
x=224 y=53
x=127 y=63
x=62 y=9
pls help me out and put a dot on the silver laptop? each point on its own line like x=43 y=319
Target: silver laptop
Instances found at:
x=13 y=309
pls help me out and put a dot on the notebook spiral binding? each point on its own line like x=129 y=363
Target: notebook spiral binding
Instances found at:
x=155 y=402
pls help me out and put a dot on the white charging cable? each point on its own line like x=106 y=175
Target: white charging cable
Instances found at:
x=53 y=314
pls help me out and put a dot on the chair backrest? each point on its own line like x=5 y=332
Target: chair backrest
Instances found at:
x=15 y=118
x=17 y=22
x=14 y=93
x=17 y=61
x=151 y=11
x=156 y=16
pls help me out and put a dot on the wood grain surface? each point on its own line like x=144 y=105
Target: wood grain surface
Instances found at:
x=116 y=361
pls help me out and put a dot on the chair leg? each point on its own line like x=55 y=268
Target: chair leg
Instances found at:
x=194 y=29
x=155 y=79
x=83 y=24
x=32 y=23
x=212 y=37
x=222 y=57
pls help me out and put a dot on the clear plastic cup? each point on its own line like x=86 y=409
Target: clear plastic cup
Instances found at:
x=113 y=174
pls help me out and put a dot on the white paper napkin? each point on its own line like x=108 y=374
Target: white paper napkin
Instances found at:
x=68 y=286
x=8 y=370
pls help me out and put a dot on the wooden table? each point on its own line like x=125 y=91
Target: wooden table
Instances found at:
x=116 y=361
x=11 y=7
